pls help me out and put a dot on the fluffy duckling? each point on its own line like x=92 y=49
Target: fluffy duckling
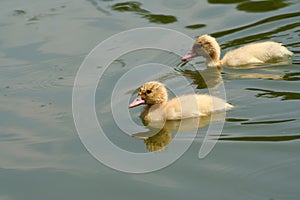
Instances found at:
x=155 y=95
x=254 y=53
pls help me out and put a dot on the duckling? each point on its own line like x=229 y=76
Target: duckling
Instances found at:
x=155 y=95
x=254 y=53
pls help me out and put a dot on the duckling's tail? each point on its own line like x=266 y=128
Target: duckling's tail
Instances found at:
x=228 y=106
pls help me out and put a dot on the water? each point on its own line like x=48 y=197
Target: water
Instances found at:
x=42 y=45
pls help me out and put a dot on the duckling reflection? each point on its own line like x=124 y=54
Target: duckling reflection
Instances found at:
x=160 y=134
x=157 y=142
x=261 y=72
x=211 y=77
x=208 y=78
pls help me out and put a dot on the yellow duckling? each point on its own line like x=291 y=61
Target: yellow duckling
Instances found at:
x=254 y=53
x=155 y=95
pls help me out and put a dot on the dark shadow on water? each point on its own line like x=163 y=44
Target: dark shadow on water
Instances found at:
x=263 y=138
x=225 y=2
x=160 y=19
x=273 y=94
x=254 y=6
x=129 y=6
x=291 y=76
x=135 y=7
x=245 y=121
x=196 y=26
x=19 y=12
x=262 y=6
x=269 y=122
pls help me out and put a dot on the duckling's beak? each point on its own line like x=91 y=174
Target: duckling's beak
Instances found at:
x=138 y=101
x=190 y=54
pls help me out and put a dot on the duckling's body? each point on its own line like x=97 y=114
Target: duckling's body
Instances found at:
x=187 y=106
x=254 y=53
x=154 y=94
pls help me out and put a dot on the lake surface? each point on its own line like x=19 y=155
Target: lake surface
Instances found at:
x=43 y=44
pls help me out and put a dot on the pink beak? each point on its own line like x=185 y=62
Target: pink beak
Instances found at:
x=138 y=101
x=189 y=55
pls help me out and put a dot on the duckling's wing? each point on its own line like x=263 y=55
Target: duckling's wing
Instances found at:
x=262 y=52
x=183 y=107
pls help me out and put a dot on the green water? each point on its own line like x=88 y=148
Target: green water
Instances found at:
x=42 y=45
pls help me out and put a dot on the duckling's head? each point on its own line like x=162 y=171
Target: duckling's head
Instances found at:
x=205 y=46
x=151 y=93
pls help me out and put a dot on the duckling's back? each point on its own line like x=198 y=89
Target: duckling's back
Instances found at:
x=263 y=52
x=194 y=105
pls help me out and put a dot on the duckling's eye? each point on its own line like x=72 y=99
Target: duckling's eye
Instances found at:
x=148 y=91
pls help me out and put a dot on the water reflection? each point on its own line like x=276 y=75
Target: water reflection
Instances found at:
x=160 y=19
x=135 y=7
x=255 y=76
x=130 y=6
x=254 y=6
x=19 y=12
x=212 y=77
x=196 y=26
x=31 y=18
x=208 y=78
x=274 y=94
x=225 y=2
x=291 y=76
x=262 y=36
x=262 y=6
x=155 y=141
x=160 y=134
x=263 y=138
x=264 y=72
x=266 y=35
x=270 y=121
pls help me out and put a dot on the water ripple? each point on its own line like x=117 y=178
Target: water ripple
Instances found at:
x=274 y=94
x=260 y=184
x=135 y=7
x=260 y=36
x=44 y=75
